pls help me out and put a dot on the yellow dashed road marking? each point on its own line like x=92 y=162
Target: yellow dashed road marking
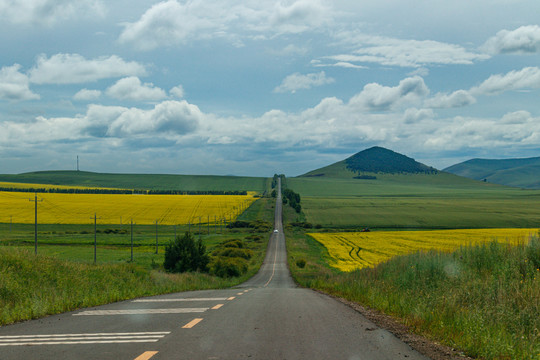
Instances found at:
x=146 y=355
x=192 y=323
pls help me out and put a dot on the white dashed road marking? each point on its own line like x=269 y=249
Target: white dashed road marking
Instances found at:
x=71 y=339
x=142 y=311
x=175 y=300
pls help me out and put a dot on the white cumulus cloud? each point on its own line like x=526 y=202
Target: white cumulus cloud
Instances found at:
x=173 y=117
x=402 y=52
x=376 y=97
x=48 y=12
x=524 y=40
x=456 y=99
x=526 y=78
x=86 y=95
x=131 y=88
x=172 y=22
x=74 y=69
x=177 y=92
x=14 y=85
x=297 y=81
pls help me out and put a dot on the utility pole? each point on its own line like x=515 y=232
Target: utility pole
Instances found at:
x=131 y=240
x=199 y=227
x=156 y=237
x=95 y=237
x=35 y=222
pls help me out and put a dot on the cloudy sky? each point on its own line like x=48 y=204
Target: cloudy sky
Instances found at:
x=255 y=87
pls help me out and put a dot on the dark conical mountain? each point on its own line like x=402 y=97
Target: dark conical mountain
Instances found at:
x=373 y=160
x=381 y=160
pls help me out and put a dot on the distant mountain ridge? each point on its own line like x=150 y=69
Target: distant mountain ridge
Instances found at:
x=373 y=161
x=519 y=172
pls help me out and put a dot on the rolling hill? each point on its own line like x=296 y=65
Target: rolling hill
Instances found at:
x=523 y=173
x=142 y=181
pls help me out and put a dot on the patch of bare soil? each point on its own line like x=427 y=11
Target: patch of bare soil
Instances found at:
x=420 y=343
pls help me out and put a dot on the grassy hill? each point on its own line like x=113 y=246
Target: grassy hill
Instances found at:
x=367 y=163
x=143 y=181
x=524 y=173
x=333 y=197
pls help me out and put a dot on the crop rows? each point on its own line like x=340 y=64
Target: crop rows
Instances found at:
x=350 y=251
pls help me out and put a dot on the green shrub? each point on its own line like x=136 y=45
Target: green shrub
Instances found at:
x=233 y=252
x=184 y=254
x=226 y=267
x=301 y=263
x=255 y=238
x=233 y=243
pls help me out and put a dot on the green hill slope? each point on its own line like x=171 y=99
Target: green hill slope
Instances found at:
x=142 y=181
x=524 y=173
x=375 y=160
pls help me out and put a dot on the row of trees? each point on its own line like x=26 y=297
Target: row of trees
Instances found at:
x=120 y=191
x=293 y=199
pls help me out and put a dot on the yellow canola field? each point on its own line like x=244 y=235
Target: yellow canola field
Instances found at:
x=350 y=251
x=18 y=207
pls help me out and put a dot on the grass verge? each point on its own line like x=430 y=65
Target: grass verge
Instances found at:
x=62 y=277
x=484 y=300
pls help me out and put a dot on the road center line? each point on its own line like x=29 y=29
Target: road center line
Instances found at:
x=192 y=323
x=231 y=298
x=217 y=306
x=274 y=267
x=146 y=355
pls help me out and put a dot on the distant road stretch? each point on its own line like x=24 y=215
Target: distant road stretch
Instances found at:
x=267 y=317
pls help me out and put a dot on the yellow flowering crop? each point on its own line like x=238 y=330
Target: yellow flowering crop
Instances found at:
x=120 y=208
x=350 y=251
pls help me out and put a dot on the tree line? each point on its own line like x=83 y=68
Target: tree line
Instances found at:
x=121 y=191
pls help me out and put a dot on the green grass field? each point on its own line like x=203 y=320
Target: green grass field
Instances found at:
x=143 y=181
x=414 y=201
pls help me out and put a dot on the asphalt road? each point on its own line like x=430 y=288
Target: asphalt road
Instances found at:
x=267 y=317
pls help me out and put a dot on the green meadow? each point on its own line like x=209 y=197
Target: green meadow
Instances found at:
x=413 y=201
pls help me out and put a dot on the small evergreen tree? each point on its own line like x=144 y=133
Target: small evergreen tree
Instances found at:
x=185 y=254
